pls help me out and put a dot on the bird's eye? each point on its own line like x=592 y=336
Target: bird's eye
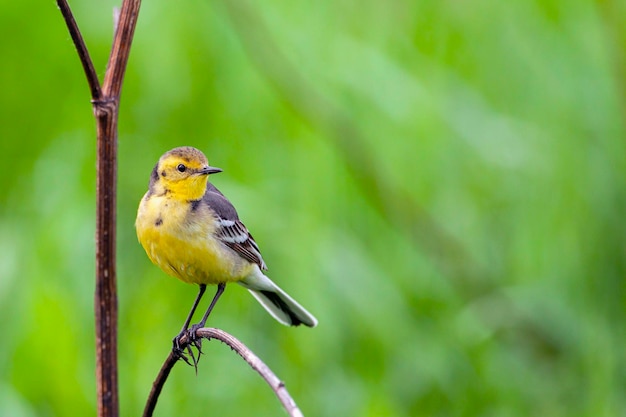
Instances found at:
x=181 y=168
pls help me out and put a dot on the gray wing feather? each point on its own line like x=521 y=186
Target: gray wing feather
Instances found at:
x=231 y=231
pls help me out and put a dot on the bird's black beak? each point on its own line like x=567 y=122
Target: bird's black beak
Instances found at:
x=209 y=170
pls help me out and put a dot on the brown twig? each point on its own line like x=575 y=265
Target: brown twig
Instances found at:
x=83 y=54
x=242 y=350
x=105 y=101
x=120 y=51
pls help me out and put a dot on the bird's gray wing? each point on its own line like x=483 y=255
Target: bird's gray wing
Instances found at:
x=231 y=231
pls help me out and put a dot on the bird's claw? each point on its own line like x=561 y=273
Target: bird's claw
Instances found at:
x=192 y=340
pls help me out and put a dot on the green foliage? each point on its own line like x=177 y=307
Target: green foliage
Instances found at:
x=442 y=183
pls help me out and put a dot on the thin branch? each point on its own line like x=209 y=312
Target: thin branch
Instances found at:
x=242 y=350
x=120 y=51
x=106 y=287
x=81 y=48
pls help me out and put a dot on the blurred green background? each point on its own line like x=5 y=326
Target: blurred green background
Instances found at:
x=442 y=183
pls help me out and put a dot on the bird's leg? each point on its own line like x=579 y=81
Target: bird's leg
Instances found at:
x=191 y=333
x=176 y=341
x=195 y=327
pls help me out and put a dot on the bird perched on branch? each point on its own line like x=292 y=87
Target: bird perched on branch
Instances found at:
x=192 y=232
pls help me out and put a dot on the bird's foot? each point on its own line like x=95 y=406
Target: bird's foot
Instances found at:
x=179 y=351
x=193 y=337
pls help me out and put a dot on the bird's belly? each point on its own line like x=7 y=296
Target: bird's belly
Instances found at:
x=198 y=258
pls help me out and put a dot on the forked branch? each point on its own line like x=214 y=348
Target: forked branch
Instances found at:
x=105 y=101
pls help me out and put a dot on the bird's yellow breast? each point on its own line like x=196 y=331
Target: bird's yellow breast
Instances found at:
x=181 y=241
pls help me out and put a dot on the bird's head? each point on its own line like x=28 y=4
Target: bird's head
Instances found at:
x=183 y=173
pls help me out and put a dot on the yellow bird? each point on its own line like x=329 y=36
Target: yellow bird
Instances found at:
x=192 y=232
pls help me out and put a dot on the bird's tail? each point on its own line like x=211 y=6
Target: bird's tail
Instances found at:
x=280 y=305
